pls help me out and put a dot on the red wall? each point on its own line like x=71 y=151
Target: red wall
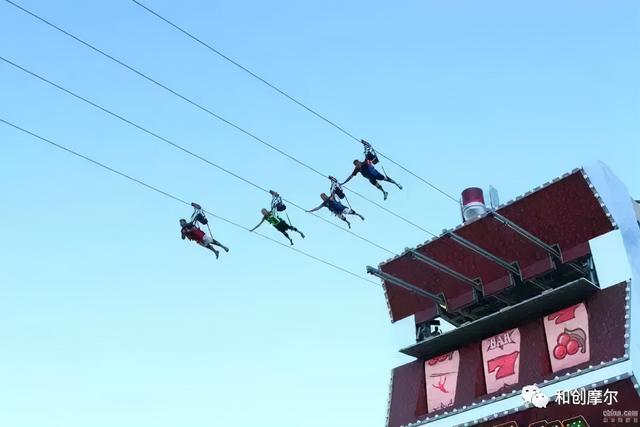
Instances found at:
x=628 y=400
x=606 y=328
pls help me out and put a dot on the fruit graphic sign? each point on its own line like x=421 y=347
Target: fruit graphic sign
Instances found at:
x=441 y=374
x=567 y=332
x=501 y=359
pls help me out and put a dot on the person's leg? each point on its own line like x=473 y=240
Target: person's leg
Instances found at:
x=341 y=216
x=214 y=251
x=291 y=227
x=283 y=227
x=206 y=243
x=388 y=179
x=287 y=236
x=349 y=211
x=379 y=187
x=215 y=242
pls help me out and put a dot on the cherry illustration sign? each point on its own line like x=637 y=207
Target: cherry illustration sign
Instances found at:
x=501 y=360
x=441 y=374
x=567 y=333
x=567 y=339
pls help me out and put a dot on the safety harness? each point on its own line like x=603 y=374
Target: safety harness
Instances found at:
x=198 y=216
x=277 y=205
x=371 y=155
x=369 y=152
x=336 y=189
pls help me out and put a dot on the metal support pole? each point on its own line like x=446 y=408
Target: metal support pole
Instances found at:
x=524 y=233
x=491 y=257
x=438 y=299
x=486 y=254
x=535 y=240
x=443 y=268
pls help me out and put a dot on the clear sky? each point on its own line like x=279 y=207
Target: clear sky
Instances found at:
x=108 y=318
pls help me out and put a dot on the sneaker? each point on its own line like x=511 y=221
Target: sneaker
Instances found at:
x=217 y=253
x=226 y=249
x=302 y=234
x=385 y=195
x=399 y=186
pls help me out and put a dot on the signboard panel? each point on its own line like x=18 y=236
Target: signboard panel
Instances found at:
x=567 y=333
x=501 y=357
x=601 y=317
x=441 y=375
x=619 y=408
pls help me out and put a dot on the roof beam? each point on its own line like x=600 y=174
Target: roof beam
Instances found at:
x=483 y=252
x=438 y=299
x=491 y=257
x=534 y=239
x=444 y=269
x=524 y=233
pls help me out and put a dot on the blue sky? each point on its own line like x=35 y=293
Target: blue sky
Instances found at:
x=108 y=318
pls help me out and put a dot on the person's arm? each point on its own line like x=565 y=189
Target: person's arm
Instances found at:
x=182 y=233
x=354 y=173
x=259 y=224
x=315 y=209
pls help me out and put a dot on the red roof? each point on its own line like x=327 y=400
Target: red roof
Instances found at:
x=566 y=212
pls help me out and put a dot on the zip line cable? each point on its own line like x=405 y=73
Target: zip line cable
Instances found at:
x=420 y=178
x=177 y=199
x=182 y=148
x=150 y=79
x=245 y=69
x=206 y=110
x=283 y=93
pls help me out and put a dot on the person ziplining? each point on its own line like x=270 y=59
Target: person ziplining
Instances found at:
x=337 y=208
x=272 y=217
x=190 y=230
x=367 y=169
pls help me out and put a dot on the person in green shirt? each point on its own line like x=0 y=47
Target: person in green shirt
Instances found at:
x=279 y=224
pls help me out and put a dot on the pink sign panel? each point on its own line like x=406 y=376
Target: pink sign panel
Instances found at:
x=567 y=333
x=501 y=357
x=441 y=374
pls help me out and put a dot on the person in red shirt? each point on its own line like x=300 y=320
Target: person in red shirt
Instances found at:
x=193 y=232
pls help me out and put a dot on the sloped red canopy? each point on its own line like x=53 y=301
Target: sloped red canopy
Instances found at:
x=566 y=213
